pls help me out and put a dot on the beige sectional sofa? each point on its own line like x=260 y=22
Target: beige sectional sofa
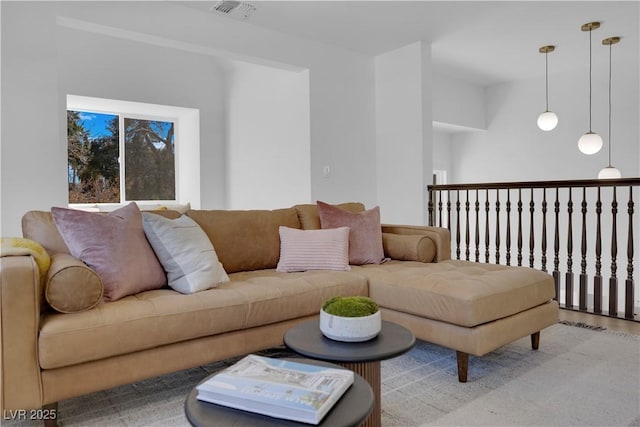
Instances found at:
x=48 y=356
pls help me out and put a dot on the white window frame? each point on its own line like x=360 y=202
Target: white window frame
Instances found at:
x=187 y=148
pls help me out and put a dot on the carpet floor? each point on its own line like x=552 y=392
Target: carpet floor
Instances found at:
x=578 y=377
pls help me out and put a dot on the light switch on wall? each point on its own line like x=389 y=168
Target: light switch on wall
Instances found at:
x=326 y=171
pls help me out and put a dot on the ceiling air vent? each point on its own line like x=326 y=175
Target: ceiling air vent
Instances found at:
x=236 y=9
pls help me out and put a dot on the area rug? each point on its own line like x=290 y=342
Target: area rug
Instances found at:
x=578 y=377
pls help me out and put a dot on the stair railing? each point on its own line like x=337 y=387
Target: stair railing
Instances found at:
x=583 y=220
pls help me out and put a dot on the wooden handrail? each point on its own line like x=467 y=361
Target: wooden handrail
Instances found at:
x=622 y=182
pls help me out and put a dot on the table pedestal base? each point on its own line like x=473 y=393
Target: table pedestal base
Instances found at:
x=370 y=371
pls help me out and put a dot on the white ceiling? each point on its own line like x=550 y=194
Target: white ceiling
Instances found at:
x=483 y=42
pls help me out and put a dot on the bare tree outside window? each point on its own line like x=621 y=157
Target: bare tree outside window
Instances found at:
x=94 y=172
x=149 y=160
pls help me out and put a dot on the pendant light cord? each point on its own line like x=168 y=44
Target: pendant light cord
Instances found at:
x=546 y=73
x=610 y=104
x=590 y=31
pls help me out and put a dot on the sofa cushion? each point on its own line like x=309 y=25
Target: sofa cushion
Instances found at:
x=114 y=245
x=159 y=317
x=302 y=250
x=185 y=252
x=365 y=237
x=39 y=226
x=310 y=219
x=459 y=292
x=409 y=247
x=180 y=208
x=275 y=296
x=245 y=240
x=71 y=286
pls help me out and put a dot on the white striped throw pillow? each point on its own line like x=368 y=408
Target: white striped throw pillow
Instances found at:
x=302 y=250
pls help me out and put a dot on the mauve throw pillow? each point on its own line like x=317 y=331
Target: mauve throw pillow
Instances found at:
x=114 y=246
x=365 y=237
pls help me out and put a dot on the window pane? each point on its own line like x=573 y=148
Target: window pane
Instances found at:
x=92 y=151
x=149 y=169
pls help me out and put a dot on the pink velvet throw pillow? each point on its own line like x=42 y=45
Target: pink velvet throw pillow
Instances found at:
x=114 y=246
x=365 y=237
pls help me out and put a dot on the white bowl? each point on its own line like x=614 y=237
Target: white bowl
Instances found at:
x=350 y=329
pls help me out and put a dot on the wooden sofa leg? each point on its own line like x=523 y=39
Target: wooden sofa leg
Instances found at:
x=50 y=415
x=535 y=340
x=463 y=366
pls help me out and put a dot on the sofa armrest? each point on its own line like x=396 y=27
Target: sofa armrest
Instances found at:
x=440 y=236
x=21 y=296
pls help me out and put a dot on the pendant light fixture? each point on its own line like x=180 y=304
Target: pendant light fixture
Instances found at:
x=610 y=172
x=590 y=142
x=547 y=120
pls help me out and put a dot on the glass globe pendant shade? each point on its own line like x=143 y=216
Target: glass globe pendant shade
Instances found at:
x=547 y=120
x=590 y=143
x=609 y=173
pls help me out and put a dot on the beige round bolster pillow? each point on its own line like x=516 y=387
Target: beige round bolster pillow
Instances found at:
x=408 y=247
x=71 y=285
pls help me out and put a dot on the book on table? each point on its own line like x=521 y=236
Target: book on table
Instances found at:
x=277 y=388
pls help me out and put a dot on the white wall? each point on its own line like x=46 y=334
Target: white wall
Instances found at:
x=33 y=152
x=100 y=66
x=341 y=83
x=343 y=130
x=404 y=133
x=459 y=103
x=442 y=151
x=514 y=149
x=458 y=107
x=268 y=145
x=342 y=105
x=35 y=74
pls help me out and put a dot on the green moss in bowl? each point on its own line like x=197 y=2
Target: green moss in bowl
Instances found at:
x=356 y=306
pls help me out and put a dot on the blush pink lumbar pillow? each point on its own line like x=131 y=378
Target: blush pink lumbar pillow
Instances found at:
x=302 y=250
x=365 y=237
x=114 y=246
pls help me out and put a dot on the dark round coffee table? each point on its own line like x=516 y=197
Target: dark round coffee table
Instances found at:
x=352 y=408
x=361 y=357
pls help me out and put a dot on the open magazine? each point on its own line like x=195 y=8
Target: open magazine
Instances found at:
x=277 y=388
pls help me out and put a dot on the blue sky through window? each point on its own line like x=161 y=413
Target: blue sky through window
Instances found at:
x=96 y=123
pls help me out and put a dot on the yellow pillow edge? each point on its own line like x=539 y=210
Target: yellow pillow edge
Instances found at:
x=17 y=246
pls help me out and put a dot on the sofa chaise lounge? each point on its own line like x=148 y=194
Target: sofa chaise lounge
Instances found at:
x=48 y=356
